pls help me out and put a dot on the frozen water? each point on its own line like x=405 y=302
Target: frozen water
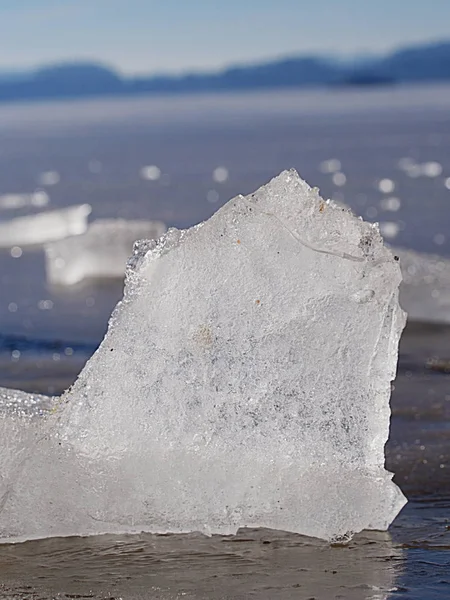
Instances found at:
x=11 y=201
x=44 y=226
x=425 y=290
x=20 y=428
x=101 y=252
x=244 y=381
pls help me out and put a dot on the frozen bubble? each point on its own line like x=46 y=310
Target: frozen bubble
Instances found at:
x=95 y=166
x=447 y=183
x=12 y=307
x=389 y=229
x=439 y=239
x=45 y=304
x=49 y=178
x=330 y=166
x=220 y=174
x=386 y=186
x=151 y=173
x=15 y=355
x=212 y=196
x=371 y=212
x=339 y=178
x=391 y=203
x=432 y=169
x=16 y=251
x=68 y=351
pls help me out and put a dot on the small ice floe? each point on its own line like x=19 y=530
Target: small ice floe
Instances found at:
x=100 y=253
x=39 y=198
x=44 y=227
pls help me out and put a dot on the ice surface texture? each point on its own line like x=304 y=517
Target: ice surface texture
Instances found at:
x=244 y=381
x=101 y=252
x=44 y=226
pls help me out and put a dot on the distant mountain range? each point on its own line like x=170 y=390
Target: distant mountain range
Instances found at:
x=425 y=63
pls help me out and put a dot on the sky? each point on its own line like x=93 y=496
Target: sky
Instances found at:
x=156 y=36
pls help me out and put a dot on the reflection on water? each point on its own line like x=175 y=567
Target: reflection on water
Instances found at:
x=259 y=564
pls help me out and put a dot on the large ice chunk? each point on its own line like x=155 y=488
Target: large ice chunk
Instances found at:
x=101 y=252
x=244 y=381
x=44 y=226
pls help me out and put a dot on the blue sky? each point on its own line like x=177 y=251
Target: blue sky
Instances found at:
x=147 y=36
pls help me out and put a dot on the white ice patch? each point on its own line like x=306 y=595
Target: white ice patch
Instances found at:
x=44 y=227
x=12 y=201
x=101 y=253
x=244 y=381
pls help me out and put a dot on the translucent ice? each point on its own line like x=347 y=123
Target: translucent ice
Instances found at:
x=244 y=381
x=44 y=226
x=101 y=252
x=425 y=290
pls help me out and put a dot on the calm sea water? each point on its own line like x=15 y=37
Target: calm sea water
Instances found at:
x=353 y=145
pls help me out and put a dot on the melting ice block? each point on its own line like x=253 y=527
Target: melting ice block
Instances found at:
x=44 y=226
x=101 y=252
x=244 y=381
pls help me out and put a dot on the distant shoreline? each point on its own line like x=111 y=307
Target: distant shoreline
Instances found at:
x=421 y=64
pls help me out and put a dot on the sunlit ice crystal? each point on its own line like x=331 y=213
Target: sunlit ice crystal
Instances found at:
x=244 y=381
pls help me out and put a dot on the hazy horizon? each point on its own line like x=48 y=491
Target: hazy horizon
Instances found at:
x=148 y=37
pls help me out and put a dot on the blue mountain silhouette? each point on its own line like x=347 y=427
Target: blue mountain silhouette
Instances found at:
x=424 y=63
